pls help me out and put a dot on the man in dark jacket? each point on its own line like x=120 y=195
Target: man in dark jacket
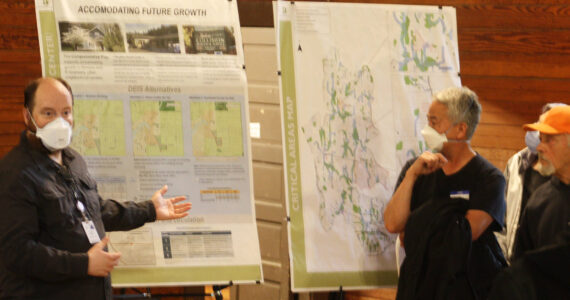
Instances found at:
x=539 y=274
x=52 y=220
x=438 y=239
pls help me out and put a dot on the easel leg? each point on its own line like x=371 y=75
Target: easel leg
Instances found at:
x=337 y=295
x=218 y=292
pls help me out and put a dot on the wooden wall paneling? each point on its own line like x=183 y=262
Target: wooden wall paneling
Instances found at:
x=263 y=93
x=12 y=95
x=267 y=152
x=11 y=6
x=514 y=65
x=269 y=211
x=247 y=16
x=19 y=63
x=378 y=294
x=536 y=42
x=20 y=69
x=268 y=178
x=23 y=56
x=11 y=137
x=268 y=290
x=514 y=54
x=517 y=91
x=497 y=16
x=261 y=68
x=269 y=240
x=458 y=2
x=255 y=13
x=266 y=116
x=497 y=156
x=19 y=17
x=18 y=37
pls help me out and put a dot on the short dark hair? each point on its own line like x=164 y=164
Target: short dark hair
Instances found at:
x=32 y=87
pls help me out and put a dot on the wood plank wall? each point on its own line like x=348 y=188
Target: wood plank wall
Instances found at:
x=19 y=63
x=514 y=53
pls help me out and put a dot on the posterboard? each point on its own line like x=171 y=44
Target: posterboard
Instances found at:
x=356 y=83
x=160 y=98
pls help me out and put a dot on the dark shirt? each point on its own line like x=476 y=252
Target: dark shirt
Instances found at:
x=43 y=246
x=483 y=186
x=483 y=183
x=537 y=275
x=532 y=180
x=546 y=215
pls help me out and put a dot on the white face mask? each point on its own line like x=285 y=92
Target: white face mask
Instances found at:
x=55 y=135
x=435 y=140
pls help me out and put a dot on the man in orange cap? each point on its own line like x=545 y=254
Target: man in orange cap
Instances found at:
x=541 y=257
x=547 y=215
x=524 y=173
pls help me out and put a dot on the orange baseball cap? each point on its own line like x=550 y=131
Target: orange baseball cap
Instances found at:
x=555 y=121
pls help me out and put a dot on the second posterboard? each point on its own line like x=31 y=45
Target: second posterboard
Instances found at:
x=160 y=98
x=356 y=83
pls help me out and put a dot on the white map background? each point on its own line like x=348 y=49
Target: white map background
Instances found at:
x=364 y=76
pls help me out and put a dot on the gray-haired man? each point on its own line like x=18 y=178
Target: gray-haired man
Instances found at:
x=453 y=175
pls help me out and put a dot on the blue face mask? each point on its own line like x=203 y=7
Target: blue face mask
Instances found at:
x=532 y=139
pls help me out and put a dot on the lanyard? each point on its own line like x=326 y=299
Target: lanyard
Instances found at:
x=72 y=183
x=87 y=224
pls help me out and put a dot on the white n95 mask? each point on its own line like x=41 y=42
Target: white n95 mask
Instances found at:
x=55 y=135
x=532 y=139
x=434 y=139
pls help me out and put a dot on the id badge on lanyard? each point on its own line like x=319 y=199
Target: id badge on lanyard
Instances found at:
x=88 y=225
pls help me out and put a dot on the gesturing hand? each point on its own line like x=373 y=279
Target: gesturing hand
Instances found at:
x=101 y=262
x=427 y=163
x=168 y=208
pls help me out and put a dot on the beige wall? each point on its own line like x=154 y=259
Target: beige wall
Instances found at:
x=263 y=89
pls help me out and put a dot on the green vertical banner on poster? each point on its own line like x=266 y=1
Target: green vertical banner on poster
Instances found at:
x=50 y=45
x=292 y=148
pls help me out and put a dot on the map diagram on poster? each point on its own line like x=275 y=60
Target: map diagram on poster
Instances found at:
x=363 y=80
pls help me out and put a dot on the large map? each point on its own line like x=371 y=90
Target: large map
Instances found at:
x=353 y=107
x=347 y=173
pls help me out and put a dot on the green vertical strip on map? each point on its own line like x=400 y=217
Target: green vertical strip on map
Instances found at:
x=50 y=44
x=292 y=149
